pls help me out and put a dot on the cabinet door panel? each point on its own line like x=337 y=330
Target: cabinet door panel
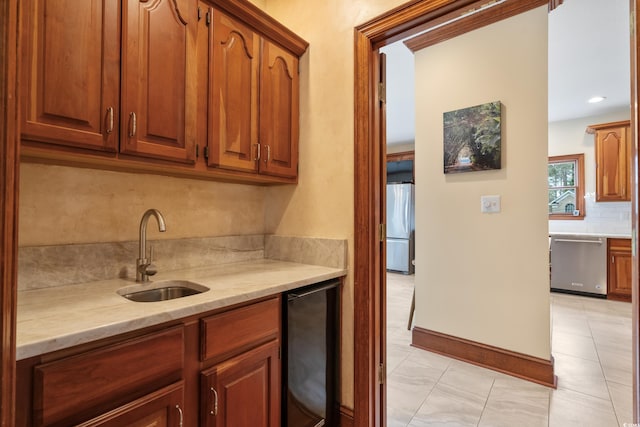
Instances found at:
x=619 y=269
x=159 y=79
x=613 y=158
x=234 y=94
x=163 y=408
x=247 y=389
x=71 y=63
x=279 y=99
x=90 y=383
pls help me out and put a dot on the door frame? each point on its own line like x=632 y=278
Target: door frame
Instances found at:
x=9 y=164
x=394 y=25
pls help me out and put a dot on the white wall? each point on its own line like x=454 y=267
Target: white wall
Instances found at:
x=485 y=277
x=569 y=137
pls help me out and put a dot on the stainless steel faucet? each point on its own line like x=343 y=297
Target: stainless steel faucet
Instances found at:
x=144 y=268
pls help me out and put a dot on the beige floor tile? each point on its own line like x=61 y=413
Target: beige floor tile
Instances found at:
x=574 y=345
x=622 y=398
x=592 y=350
x=449 y=406
x=572 y=409
x=516 y=402
x=581 y=375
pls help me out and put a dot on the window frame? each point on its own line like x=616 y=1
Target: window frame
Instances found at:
x=580 y=203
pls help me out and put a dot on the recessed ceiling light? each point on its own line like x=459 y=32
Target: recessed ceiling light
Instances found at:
x=596 y=99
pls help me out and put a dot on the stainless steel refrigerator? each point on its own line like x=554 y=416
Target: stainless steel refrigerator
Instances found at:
x=400 y=227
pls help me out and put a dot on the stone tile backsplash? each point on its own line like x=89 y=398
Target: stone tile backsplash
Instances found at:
x=49 y=266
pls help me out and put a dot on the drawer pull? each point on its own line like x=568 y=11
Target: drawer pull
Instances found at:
x=134 y=124
x=110 y=126
x=214 y=410
x=180 y=413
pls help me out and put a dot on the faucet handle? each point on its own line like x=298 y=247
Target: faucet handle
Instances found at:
x=150 y=268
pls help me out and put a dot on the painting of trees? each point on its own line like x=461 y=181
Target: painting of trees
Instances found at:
x=472 y=138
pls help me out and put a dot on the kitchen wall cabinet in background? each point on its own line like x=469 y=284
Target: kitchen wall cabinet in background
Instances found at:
x=619 y=269
x=204 y=89
x=613 y=161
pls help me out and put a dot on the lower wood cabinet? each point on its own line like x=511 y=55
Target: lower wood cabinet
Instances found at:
x=163 y=408
x=243 y=391
x=619 y=269
x=219 y=368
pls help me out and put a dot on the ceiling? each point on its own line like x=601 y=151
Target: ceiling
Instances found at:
x=588 y=56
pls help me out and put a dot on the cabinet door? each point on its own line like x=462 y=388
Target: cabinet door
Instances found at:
x=243 y=391
x=70 y=81
x=619 y=265
x=159 y=79
x=279 y=100
x=613 y=160
x=163 y=408
x=235 y=54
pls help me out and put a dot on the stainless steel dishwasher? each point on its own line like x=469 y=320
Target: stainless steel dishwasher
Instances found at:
x=310 y=359
x=579 y=264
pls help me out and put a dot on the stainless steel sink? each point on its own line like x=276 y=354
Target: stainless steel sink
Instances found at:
x=162 y=291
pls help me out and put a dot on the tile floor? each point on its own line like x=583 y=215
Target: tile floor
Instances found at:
x=591 y=343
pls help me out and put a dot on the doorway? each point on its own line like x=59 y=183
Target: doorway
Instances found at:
x=395 y=25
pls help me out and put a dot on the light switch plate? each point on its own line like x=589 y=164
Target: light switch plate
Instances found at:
x=490 y=204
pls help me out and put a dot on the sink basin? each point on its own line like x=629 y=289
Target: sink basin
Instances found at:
x=161 y=291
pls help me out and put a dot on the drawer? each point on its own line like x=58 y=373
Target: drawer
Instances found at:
x=226 y=333
x=77 y=388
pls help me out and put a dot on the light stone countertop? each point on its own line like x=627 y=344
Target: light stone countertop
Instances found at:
x=56 y=318
x=607 y=235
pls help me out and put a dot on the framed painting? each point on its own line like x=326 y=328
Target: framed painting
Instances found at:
x=473 y=138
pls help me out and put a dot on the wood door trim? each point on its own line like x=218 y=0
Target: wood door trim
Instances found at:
x=9 y=173
x=478 y=20
x=404 y=155
x=498 y=359
x=394 y=25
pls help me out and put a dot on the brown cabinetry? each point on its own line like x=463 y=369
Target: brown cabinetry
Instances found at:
x=181 y=87
x=254 y=92
x=243 y=391
x=70 y=75
x=242 y=388
x=619 y=269
x=163 y=408
x=217 y=369
x=102 y=383
x=613 y=161
x=158 y=99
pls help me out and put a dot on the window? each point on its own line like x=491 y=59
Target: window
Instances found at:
x=566 y=187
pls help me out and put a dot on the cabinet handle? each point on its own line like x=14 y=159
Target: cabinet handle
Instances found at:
x=134 y=124
x=110 y=126
x=268 y=154
x=214 y=411
x=613 y=261
x=180 y=413
x=257 y=152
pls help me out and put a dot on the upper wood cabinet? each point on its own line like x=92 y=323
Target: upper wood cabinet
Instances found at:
x=158 y=75
x=235 y=60
x=203 y=89
x=70 y=68
x=254 y=100
x=613 y=161
x=279 y=121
